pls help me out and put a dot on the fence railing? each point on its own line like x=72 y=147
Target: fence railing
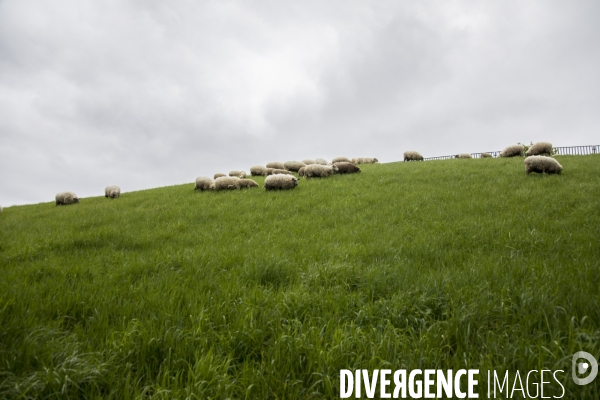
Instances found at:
x=569 y=150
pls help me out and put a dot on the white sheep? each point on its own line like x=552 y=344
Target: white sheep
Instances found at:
x=412 y=155
x=308 y=161
x=112 y=191
x=364 y=160
x=340 y=159
x=65 y=198
x=542 y=164
x=245 y=184
x=275 y=165
x=319 y=171
x=280 y=182
x=258 y=170
x=464 y=155
x=486 y=155
x=321 y=161
x=301 y=171
x=239 y=174
x=204 y=183
x=281 y=172
x=540 y=148
x=226 y=182
x=293 y=165
x=516 y=150
x=218 y=175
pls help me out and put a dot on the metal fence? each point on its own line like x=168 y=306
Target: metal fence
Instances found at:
x=570 y=150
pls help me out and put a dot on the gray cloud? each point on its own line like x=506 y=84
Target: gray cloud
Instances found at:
x=146 y=94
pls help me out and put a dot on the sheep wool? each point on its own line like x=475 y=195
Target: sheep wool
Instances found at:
x=301 y=171
x=293 y=165
x=412 y=155
x=218 y=175
x=321 y=161
x=319 y=171
x=464 y=155
x=280 y=182
x=204 y=183
x=364 y=160
x=516 y=150
x=486 y=155
x=276 y=165
x=340 y=159
x=239 y=174
x=270 y=171
x=258 y=170
x=66 y=198
x=540 y=148
x=347 y=168
x=226 y=183
x=277 y=171
x=308 y=161
x=112 y=191
x=541 y=164
x=245 y=184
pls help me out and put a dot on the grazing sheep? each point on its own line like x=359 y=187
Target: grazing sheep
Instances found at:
x=280 y=182
x=319 y=171
x=347 y=168
x=340 y=159
x=464 y=155
x=540 y=148
x=226 y=183
x=245 y=184
x=486 y=155
x=239 y=174
x=293 y=165
x=270 y=171
x=516 y=150
x=309 y=161
x=112 y=191
x=281 y=172
x=301 y=171
x=218 y=175
x=65 y=198
x=204 y=183
x=412 y=156
x=275 y=165
x=321 y=161
x=364 y=160
x=542 y=164
x=258 y=170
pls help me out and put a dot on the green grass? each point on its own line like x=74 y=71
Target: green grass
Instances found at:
x=172 y=293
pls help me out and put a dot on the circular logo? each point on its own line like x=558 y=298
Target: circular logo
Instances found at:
x=581 y=368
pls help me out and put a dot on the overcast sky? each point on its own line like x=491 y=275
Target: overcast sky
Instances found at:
x=145 y=93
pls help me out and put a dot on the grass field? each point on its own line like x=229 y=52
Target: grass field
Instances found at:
x=172 y=293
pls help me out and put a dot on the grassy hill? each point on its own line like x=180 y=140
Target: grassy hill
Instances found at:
x=251 y=294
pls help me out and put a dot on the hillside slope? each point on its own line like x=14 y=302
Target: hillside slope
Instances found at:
x=254 y=294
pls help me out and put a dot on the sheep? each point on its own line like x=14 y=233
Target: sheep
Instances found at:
x=516 y=150
x=319 y=171
x=486 y=155
x=1 y=209
x=239 y=174
x=270 y=171
x=112 y=191
x=258 y=170
x=218 y=175
x=464 y=155
x=301 y=171
x=540 y=148
x=204 y=183
x=364 y=160
x=308 y=161
x=65 y=198
x=542 y=164
x=281 y=172
x=280 y=182
x=346 y=168
x=412 y=156
x=321 y=161
x=245 y=184
x=293 y=165
x=226 y=182
x=340 y=159
x=276 y=165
